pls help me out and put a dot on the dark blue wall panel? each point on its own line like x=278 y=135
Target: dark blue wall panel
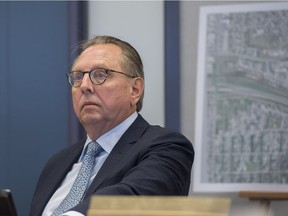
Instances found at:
x=4 y=75
x=172 y=64
x=33 y=92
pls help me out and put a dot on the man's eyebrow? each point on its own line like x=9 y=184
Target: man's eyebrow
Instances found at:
x=91 y=68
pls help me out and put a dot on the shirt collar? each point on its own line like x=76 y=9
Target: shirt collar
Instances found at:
x=108 y=140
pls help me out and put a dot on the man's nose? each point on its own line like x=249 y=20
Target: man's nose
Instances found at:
x=86 y=84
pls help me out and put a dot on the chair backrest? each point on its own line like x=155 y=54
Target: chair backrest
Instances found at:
x=7 y=206
x=158 y=206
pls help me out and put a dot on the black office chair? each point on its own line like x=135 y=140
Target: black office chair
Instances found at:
x=7 y=206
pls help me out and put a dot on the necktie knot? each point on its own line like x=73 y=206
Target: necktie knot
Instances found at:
x=93 y=149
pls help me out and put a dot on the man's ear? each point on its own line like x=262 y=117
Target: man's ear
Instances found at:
x=137 y=88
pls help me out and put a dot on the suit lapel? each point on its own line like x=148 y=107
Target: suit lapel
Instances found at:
x=66 y=164
x=112 y=163
x=50 y=185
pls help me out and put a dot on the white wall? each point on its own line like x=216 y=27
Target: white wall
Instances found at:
x=141 y=23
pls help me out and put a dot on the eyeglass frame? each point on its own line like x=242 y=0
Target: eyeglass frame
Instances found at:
x=106 y=71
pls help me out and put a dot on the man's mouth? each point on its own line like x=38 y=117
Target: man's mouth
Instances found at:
x=88 y=104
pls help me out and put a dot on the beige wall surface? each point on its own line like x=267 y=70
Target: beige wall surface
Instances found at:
x=141 y=23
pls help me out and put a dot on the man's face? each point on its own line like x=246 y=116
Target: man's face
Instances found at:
x=108 y=104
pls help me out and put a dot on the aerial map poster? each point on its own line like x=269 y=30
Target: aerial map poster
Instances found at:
x=241 y=126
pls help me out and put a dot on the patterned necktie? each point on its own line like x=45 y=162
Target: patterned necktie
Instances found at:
x=79 y=186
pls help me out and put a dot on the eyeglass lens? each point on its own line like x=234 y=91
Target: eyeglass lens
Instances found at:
x=97 y=76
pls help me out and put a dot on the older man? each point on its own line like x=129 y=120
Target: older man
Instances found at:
x=122 y=154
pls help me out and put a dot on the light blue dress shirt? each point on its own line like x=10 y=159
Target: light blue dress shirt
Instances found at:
x=107 y=142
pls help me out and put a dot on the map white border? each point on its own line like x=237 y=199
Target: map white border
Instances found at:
x=199 y=186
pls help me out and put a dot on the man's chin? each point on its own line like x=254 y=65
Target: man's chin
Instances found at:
x=90 y=119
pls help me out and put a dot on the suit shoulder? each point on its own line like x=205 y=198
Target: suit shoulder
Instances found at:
x=156 y=132
x=164 y=131
x=159 y=135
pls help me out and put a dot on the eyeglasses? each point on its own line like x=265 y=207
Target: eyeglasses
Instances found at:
x=97 y=76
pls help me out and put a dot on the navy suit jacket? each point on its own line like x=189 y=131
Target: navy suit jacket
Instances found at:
x=147 y=160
